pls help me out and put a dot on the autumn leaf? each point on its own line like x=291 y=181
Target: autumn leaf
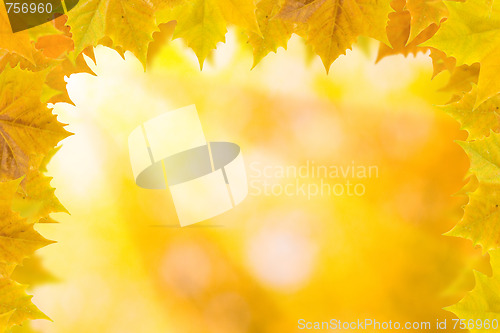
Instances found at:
x=46 y=29
x=407 y=29
x=425 y=13
x=332 y=26
x=28 y=129
x=440 y=62
x=160 y=38
x=130 y=24
x=39 y=62
x=470 y=39
x=398 y=31
x=18 y=239
x=56 y=77
x=489 y=82
x=55 y=46
x=240 y=13
x=484 y=157
x=471 y=185
x=484 y=300
x=469 y=33
x=87 y=22
x=461 y=81
x=15 y=301
x=6 y=269
x=200 y=23
x=479 y=122
x=398 y=38
x=399 y=24
x=48 y=157
x=472 y=34
x=4 y=320
x=19 y=43
x=48 y=47
x=481 y=220
x=37 y=200
x=275 y=32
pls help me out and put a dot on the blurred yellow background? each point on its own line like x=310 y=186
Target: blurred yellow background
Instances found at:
x=122 y=264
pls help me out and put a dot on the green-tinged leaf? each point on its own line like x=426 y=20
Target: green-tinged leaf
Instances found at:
x=13 y=297
x=481 y=220
x=472 y=34
x=471 y=185
x=479 y=122
x=275 y=32
x=37 y=199
x=483 y=302
x=484 y=157
x=469 y=33
x=18 y=239
x=129 y=23
x=87 y=22
x=200 y=23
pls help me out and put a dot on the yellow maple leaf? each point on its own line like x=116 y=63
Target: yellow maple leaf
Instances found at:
x=19 y=42
x=471 y=185
x=40 y=61
x=484 y=157
x=28 y=129
x=240 y=13
x=489 y=82
x=200 y=23
x=274 y=32
x=37 y=200
x=407 y=29
x=87 y=21
x=18 y=239
x=129 y=23
x=16 y=305
x=398 y=32
x=479 y=122
x=424 y=13
x=332 y=26
x=483 y=302
x=472 y=34
x=399 y=24
x=461 y=80
x=481 y=220
x=440 y=62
